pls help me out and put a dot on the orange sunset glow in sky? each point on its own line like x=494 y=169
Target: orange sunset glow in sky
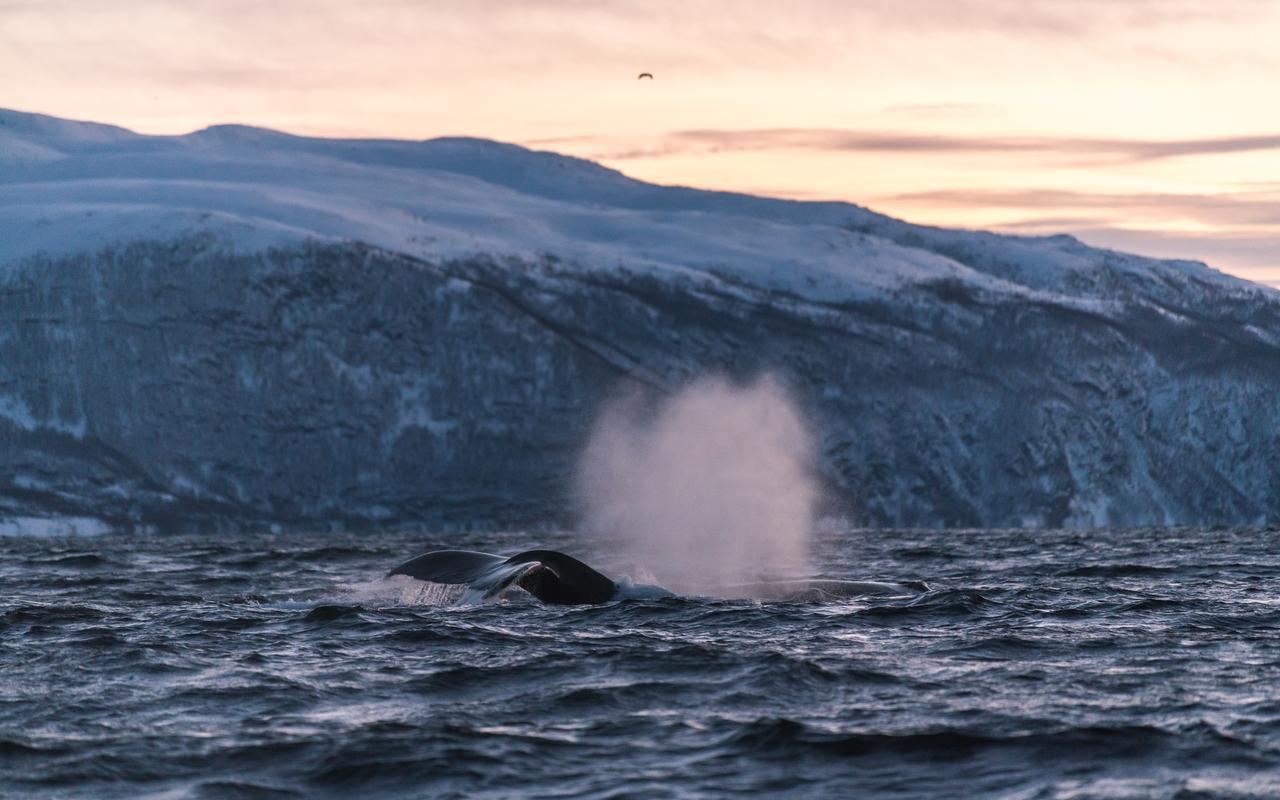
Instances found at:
x=1145 y=125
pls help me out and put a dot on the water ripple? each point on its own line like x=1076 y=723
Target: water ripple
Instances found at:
x=1038 y=665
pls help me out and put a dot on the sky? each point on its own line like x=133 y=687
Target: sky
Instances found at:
x=1145 y=125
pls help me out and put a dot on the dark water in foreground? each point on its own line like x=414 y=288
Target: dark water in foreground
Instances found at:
x=1111 y=664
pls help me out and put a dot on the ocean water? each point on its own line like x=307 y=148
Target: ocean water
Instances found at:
x=1109 y=664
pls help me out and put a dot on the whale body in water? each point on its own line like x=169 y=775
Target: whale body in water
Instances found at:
x=560 y=579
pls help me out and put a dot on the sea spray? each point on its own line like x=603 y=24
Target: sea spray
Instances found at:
x=706 y=490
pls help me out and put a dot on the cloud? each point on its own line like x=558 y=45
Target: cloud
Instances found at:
x=1252 y=257
x=1239 y=231
x=1097 y=150
x=1255 y=208
x=496 y=34
x=941 y=109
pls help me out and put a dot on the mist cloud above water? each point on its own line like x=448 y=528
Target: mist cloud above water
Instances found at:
x=705 y=489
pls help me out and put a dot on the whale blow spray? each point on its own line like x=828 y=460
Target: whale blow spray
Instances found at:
x=709 y=489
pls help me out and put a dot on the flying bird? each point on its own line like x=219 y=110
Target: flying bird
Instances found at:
x=648 y=75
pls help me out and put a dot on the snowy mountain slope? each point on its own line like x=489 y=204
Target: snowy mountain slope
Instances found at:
x=450 y=198
x=239 y=326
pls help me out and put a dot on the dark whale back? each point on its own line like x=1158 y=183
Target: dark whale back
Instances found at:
x=548 y=575
x=562 y=579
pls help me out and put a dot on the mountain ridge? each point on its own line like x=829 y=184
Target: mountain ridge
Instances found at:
x=438 y=321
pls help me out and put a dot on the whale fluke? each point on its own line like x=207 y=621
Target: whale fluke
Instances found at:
x=548 y=575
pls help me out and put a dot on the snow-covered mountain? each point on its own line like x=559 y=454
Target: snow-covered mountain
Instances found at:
x=241 y=327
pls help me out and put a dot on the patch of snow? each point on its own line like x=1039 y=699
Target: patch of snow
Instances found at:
x=415 y=413
x=52 y=526
x=361 y=377
x=15 y=411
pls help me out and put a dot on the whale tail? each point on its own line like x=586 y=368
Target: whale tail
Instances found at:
x=548 y=575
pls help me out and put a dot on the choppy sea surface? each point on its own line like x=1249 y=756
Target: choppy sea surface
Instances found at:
x=1116 y=664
